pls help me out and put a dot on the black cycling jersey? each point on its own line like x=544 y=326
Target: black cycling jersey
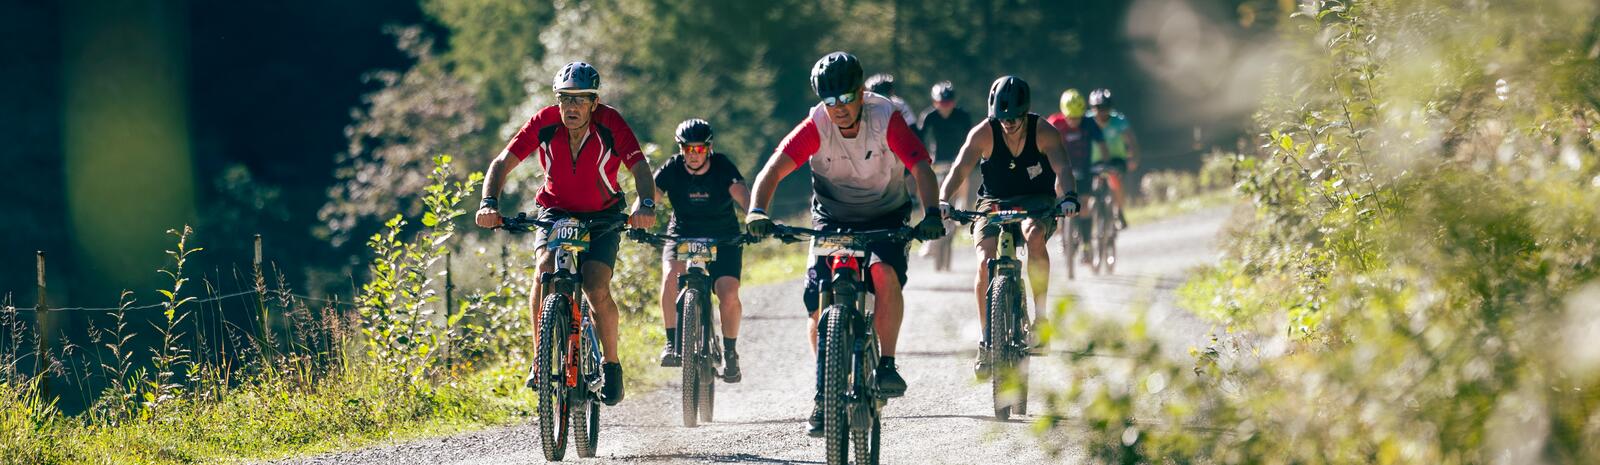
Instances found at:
x=1006 y=175
x=943 y=135
x=701 y=204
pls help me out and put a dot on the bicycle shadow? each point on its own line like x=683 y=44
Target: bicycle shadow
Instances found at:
x=718 y=458
x=989 y=419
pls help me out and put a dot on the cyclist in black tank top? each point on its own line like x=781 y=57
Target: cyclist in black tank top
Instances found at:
x=1036 y=177
x=1007 y=175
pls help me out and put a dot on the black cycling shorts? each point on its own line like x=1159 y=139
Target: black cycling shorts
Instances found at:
x=602 y=247
x=729 y=262
x=891 y=253
x=1036 y=202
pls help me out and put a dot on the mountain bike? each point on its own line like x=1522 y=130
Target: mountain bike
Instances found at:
x=1008 y=340
x=567 y=372
x=1105 y=224
x=1071 y=242
x=851 y=402
x=698 y=342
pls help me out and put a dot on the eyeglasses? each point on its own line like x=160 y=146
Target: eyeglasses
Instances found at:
x=696 y=149
x=845 y=99
x=573 y=99
x=1016 y=120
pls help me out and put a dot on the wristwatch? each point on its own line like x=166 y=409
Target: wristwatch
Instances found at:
x=648 y=204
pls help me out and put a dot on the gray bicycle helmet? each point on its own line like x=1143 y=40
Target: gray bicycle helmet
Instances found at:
x=881 y=84
x=944 y=91
x=577 y=77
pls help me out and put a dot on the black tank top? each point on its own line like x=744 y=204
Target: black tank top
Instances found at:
x=1006 y=175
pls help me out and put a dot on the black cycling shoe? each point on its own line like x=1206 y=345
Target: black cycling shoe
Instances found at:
x=670 y=357
x=730 y=367
x=814 y=425
x=611 y=393
x=890 y=384
x=981 y=368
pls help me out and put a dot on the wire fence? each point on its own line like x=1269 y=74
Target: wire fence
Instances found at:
x=163 y=305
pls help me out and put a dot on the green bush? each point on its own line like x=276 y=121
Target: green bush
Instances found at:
x=1416 y=282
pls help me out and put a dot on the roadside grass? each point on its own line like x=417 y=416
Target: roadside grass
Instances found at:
x=1149 y=212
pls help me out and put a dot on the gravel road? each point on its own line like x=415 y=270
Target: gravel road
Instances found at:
x=945 y=417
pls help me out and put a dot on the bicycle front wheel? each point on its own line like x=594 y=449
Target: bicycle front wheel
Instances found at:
x=1005 y=294
x=835 y=345
x=551 y=365
x=690 y=347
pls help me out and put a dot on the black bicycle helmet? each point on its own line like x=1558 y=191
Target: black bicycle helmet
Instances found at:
x=1008 y=98
x=836 y=74
x=577 y=77
x=1100 y=98
x=881 y=84
x=694 y=131
x=944 y=91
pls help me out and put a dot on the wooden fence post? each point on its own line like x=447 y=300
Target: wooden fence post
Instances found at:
x=449 y=305
x=261 y=300
x=42 y=323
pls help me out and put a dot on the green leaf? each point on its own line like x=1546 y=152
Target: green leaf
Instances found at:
x=430 y=220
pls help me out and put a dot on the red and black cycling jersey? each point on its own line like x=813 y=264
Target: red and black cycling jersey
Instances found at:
x=587 y=182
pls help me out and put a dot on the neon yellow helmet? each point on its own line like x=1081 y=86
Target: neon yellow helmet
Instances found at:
x=1072 y=104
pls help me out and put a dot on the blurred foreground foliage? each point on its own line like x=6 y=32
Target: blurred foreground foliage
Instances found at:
x=1416 y=281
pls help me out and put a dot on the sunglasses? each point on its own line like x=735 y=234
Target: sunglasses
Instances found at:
x=1016 y=120
x=573 y=99
x=841 y=100
x=697 y=149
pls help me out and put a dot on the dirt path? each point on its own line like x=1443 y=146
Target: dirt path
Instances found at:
x=945 y=417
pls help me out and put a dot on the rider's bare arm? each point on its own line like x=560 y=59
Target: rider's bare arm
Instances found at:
x=979 y=141
x=644 y=183
x=903 y=141
x=1049 y=142
x=778 y=167
x=494 y=179
x=741 y=195
x=1133 y=148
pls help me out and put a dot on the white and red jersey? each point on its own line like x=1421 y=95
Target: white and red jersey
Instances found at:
x=859 y=178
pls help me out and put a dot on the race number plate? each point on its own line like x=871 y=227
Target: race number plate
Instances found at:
x=569 y=233
x=1007 y=217
x=696 y=250
x=834 y=246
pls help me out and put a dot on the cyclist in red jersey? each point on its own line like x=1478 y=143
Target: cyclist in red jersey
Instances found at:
x=579 y=183
x=1078 y=133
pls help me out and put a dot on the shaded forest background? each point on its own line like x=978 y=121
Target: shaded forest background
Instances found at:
x=311 y=122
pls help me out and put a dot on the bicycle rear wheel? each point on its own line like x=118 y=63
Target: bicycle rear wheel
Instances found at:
x=835 y=346
x=551 y=361
x=1069 y=245
x=586 y=426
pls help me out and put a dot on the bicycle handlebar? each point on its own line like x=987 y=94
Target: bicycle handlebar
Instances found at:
x=968 y=216
x=522 y=223
x=788 y=233
x=646 y=237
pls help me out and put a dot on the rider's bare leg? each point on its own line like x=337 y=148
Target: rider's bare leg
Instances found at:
x=597 y=286
x=727 y=288
x=1116 y=188
x=888 y=305
x=1038 y=264
x=980 y=287
x=670 y=269
x=546 y=261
